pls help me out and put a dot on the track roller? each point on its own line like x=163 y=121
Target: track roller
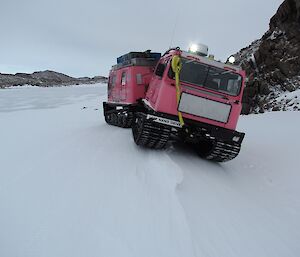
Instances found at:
x=217 y=151
x=121 y=119
x=148 y=133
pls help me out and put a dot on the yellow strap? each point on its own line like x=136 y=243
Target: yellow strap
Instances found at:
x=176 y=67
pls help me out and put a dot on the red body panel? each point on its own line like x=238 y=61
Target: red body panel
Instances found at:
x=131 y=87
x=161 y=96
x=160 y=92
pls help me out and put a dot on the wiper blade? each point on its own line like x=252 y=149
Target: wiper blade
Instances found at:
x=222 y=73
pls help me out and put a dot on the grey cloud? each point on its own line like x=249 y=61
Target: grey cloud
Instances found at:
x=84 y=37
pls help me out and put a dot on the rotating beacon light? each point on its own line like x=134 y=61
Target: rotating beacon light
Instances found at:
x=198 y=49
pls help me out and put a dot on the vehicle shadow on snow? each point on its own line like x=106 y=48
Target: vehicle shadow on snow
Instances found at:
x=194 y=169
x=181 y=152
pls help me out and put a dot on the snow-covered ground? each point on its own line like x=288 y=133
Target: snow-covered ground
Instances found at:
x=288 y=101
x=70 y=185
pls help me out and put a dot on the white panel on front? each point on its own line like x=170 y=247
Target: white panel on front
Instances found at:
x=203 y=107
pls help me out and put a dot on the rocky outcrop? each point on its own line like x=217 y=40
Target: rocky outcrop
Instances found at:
x=272 y=63
x=45 y=79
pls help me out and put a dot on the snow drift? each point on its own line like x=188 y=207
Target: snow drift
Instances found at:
x=70 y=185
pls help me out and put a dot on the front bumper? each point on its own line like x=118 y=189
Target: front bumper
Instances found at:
x=196 y=131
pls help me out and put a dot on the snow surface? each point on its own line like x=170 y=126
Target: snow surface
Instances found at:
x=71 y=185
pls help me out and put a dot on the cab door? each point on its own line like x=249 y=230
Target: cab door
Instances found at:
x=123 y=89
x=155 y=82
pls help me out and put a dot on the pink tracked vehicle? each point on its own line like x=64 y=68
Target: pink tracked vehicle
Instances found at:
x=178 y=96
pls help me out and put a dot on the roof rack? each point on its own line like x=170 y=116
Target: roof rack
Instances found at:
x=131 y=55
x=137 y=59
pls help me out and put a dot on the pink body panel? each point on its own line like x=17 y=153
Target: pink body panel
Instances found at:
x=130 y=87
x=140 y=82
x=161 y=97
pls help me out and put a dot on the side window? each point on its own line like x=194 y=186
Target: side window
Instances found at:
x=113 y=80
x=111 y=83
x=139 y=79
x=160 y=69
x=233 y=86
x=218 y=81
x=123 y=78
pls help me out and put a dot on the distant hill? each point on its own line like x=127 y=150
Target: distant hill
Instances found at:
x=45 y=79
x=272 y=64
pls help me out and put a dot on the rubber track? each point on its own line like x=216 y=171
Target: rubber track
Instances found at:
x=223 y=152
x=119 y=119
x=152 y=135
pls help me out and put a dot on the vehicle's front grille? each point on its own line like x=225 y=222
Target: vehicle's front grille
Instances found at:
x=203 y=107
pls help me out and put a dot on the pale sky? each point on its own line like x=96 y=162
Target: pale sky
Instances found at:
x=84 y=38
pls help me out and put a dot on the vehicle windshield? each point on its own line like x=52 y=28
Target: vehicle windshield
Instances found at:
x=210 y=77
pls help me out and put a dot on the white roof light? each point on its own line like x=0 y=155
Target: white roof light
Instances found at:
x=231 y=59
x=198 y=49
x=193 y=48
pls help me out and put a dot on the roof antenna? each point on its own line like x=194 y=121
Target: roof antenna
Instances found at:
x=175 y=26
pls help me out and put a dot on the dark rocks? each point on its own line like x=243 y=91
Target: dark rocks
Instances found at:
x=272 y=63
x=287 y=13
x=290 y=88
x=45 y=79
x=276 y=109
x=263 y=88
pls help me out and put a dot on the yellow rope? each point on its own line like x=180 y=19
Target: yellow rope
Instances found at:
x=176 y=67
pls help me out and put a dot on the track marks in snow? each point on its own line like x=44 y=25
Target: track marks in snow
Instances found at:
x=70 y=185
